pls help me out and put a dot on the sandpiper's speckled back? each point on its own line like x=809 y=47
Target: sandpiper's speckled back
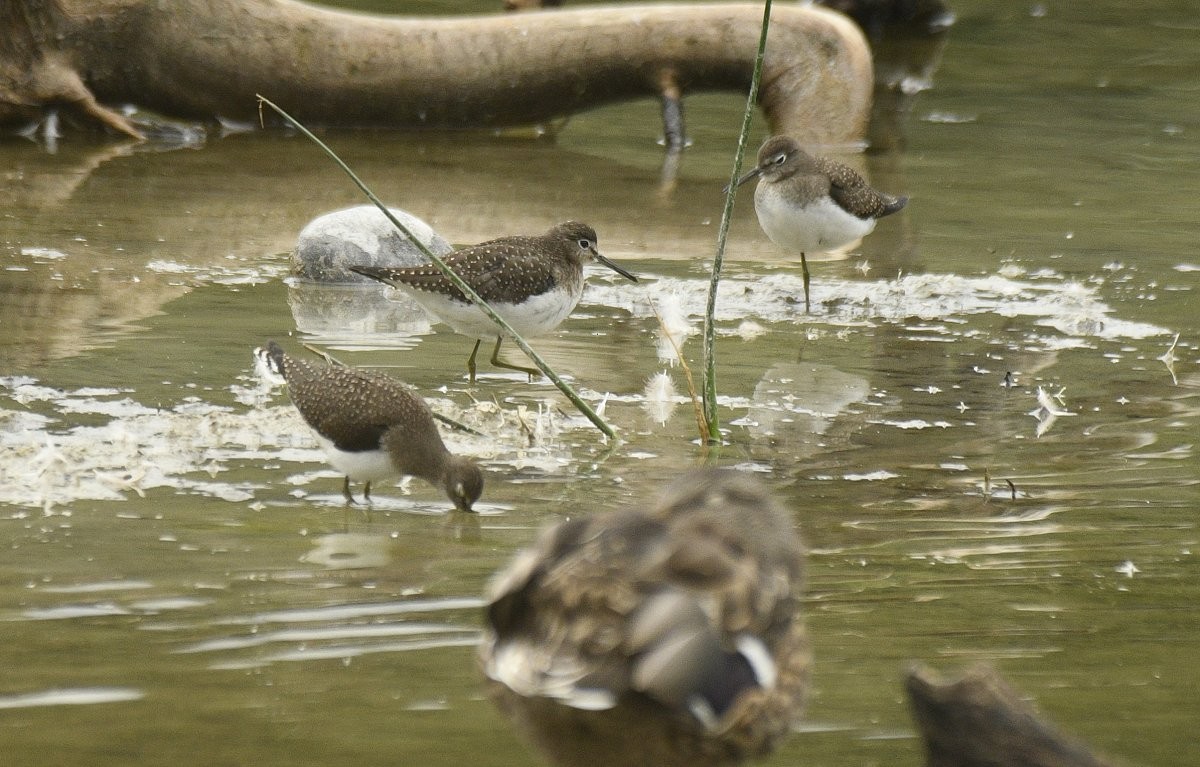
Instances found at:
x=670 y=637
x=507 y=270
x=854 y=194
x=355 y=408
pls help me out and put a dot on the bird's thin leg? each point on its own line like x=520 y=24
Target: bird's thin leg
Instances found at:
x=471 y=360
x=672 y=109
x=673 y=136
x=497 y=362
x=351 y=502
x=804 y=271
x=366 y=510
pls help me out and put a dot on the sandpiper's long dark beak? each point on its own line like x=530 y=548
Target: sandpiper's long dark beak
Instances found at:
x=613 y=265
x=745 y=177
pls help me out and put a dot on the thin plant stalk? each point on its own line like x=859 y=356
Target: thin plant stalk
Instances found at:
x=458 y=282
x=710 y=357
x=701 y=424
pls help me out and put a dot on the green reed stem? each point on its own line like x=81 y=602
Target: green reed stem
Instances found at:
x=467 y=290
x=710 y=356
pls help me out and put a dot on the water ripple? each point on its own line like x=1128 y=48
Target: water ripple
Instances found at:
x=71 y=696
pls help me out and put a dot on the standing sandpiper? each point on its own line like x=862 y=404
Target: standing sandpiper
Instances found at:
x=662 y=637
x=532 y=282
x=813 y=204
x=372 y=426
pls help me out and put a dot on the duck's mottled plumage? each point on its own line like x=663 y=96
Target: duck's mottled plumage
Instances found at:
x=663 y=637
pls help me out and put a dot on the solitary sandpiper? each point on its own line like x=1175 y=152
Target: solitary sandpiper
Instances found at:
x=813 y=204
x=371 y=426
x=668 y=636
x=532 y=282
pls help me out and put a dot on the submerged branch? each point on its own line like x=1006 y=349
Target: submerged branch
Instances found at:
x=205 y=59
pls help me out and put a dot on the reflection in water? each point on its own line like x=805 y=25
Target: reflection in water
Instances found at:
x=795 y=404
x=347 y=551
x=463 y=526
x=50 y=180
x=1169 y=359
x=1050 y=408
x=344 y=314
x=904 y=68
x=53 y=306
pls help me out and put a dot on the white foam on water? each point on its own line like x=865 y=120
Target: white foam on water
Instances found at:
x=1072 y=308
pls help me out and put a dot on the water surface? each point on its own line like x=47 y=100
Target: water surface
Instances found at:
x=182 y=584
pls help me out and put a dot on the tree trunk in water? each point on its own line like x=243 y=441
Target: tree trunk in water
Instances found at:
x=203 y=59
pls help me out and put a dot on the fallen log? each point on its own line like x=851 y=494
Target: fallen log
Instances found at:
x=206 y=59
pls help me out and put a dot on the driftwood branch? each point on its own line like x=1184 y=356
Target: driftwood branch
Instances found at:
x=978 y=720
x=205 y=59
x=37 y=74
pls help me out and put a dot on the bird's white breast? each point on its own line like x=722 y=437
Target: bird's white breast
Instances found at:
x=818 y=226
x=532 y=317
x=363 y=466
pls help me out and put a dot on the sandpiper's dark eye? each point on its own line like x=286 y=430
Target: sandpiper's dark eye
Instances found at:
x=585 y=244
x=779 y=158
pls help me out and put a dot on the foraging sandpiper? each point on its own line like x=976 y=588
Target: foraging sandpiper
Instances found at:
x=813 y=204
x=664 y=637
x=372 y=426
x=532 y=282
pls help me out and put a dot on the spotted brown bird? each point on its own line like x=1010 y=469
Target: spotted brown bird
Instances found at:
x=372 y=426
x=533 y=283
x=812 y=204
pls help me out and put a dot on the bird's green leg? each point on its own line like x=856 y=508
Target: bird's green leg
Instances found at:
x=804 y=271
x=471 y=360
x=346 y=490
x=367 y=492
x=497 y=362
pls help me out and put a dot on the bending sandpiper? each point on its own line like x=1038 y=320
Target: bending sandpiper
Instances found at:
x=372 y=427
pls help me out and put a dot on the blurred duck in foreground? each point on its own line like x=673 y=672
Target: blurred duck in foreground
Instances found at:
x=661 y=637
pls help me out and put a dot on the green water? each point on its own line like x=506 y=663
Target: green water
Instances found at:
x=181 y=584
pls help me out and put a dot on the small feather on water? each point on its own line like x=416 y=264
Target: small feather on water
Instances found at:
x=660 y=397
x=673 y=325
